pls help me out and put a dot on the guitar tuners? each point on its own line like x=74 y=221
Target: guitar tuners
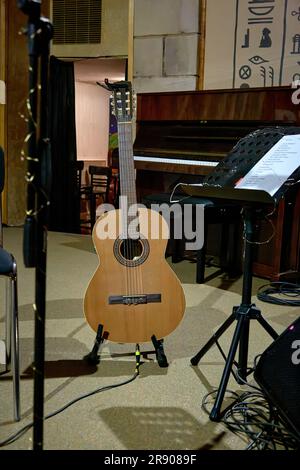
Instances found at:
x=112 y=105
x=133 y=102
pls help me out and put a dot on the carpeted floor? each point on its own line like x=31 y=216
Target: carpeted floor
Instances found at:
x=161 y=409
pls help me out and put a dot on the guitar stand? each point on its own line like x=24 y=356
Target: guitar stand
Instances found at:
x=243 y=314
x=93 y=358
x=159 y=351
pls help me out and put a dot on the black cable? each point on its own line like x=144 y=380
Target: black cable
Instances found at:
x=270 y=292
x=22 y=431
x=252 y=415
x=255 y=417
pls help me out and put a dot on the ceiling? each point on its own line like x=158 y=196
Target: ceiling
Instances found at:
x=96 y=70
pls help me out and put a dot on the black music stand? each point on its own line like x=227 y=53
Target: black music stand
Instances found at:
x=221 y=185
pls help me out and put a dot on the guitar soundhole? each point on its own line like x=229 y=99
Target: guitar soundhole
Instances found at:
x=131 y=252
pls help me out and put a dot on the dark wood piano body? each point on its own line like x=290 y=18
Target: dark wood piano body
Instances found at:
x=204 y=126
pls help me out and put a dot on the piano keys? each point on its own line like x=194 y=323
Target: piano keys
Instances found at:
x=176 y=165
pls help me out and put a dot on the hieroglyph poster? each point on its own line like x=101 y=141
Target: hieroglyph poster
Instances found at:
x=260 y=43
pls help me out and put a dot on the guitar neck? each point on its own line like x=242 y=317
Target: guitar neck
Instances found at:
x=126 y=162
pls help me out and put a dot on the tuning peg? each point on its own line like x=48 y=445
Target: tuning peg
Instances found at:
x=134 y=100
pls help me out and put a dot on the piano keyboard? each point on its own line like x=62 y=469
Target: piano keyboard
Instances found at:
x=175 y=161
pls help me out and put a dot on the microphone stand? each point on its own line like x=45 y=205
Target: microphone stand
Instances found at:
x=39 y=33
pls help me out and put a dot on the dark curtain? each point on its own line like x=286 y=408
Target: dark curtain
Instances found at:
x=64 y=211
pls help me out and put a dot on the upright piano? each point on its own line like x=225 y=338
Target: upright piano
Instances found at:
x=182 y=136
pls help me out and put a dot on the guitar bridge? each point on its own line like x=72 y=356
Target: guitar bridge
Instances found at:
x=135 y=299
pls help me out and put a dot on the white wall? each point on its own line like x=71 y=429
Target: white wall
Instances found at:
x=92 y=106
x=92 y=121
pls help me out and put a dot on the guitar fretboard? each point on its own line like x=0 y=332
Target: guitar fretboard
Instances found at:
x=126 y=162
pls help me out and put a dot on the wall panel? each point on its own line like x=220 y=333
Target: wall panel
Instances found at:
x=17 y=92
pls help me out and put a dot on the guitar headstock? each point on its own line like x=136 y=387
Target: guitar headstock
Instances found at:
x=122 y=100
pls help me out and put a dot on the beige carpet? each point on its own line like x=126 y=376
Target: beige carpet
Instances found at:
x=161 y=409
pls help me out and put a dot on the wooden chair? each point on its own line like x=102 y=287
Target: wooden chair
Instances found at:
x=8 y=269
x=100 y=181
x=83 y=192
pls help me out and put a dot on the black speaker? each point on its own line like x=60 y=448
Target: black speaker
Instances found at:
x=278 y=375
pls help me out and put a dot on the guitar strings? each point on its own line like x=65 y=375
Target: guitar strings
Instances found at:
x=133 y=243
x=123 y=177
x=131 y=246
x=125 y=190
x=136 y=243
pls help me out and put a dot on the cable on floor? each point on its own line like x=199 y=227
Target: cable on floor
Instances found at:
x=23 y=430
x=289 y=292
x=251 y=415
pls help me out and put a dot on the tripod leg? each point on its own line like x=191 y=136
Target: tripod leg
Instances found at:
x=215 y=412
x=213 y=339
x=267 y=327
x=243 y=351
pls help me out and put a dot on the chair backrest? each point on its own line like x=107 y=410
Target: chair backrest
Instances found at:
x=100 y=178
x=79 y=168
x=2 y=178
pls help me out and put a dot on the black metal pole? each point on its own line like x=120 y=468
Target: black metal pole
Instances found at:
x=248 y=255
x=247 y=290
x=39 y=32
x=242 y=313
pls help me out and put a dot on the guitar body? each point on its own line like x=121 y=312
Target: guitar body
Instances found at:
x=133 y=296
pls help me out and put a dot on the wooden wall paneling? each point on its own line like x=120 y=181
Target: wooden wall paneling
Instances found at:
x=249 y=104
x=17 y=93
x=201 y=46
x=3 y=32
x=268 y=257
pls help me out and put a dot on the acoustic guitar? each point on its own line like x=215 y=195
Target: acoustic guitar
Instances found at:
x=134 y=293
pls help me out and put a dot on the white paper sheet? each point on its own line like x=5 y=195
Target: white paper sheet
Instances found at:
x=274 y=168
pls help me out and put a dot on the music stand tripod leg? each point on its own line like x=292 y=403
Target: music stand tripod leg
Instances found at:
x=215 y=412
x=243 y=314
x=243 y=351
x=267 y=327
x=213 y=339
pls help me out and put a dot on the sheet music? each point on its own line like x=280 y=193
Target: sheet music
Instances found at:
x=274 y=168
